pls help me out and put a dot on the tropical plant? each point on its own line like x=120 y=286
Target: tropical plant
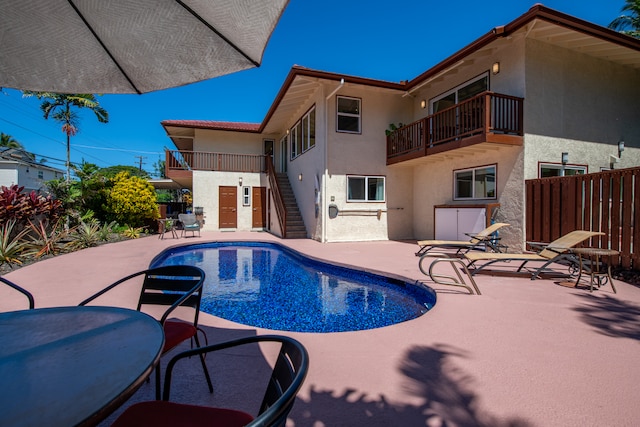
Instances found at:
x=132 y=232
x=628 y=23
x=9 y=142
x=12 y=245
x=106 y=230
x=20 y=207
x=86 y=235
x=59 y=106
x=47 y=239
x=392 y=128
x=132 y=200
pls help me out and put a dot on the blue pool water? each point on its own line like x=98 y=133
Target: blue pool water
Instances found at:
x=269 y=286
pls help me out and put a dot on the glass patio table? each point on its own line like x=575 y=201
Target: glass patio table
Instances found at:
x=68 y=366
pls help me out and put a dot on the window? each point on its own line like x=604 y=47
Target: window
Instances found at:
x=348 y=111
x=303 y=134
x=477 y=183
x=40 y=175
x=365 y=189
x=246 y=196
x=458 y=94
x=547 y=170
x=268 y=146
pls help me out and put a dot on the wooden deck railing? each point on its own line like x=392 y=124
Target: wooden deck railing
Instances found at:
x=485 y=113
x=226 y=162
x=604 y=201
x=278 y=201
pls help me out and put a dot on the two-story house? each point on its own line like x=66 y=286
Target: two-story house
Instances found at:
x=437 y=156
x=18 y=167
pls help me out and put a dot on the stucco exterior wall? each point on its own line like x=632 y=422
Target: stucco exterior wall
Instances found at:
x=365 y=154
x=227 y=142
x=577 y=97
x=434 y=186
x=206 y=192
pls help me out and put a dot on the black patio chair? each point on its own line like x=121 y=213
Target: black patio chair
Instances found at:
x=23 y=291
x=174 y=286
x=287 y=376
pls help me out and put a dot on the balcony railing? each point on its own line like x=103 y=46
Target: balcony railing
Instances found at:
x=224 y=162
x=475 y=120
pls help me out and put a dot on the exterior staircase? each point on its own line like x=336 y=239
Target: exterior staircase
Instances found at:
x=295 y=224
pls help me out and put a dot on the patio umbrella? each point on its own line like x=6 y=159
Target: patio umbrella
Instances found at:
x=127 y=46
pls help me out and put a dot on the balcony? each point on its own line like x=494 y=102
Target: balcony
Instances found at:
x=179 y=165
x=486 y=118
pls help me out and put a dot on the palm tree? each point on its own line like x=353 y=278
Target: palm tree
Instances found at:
x=628 y=23
x=59 y=106
x=9 y=142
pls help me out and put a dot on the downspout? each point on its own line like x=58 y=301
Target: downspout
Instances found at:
x=325 y=207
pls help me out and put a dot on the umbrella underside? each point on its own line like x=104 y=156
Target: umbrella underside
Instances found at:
x=120 y=46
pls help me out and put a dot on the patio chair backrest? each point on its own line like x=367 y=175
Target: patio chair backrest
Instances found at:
x=568 y=241
x=188 y=219
x=488 y=231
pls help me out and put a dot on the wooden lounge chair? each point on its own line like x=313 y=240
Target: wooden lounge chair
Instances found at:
x=556 y=251
x=485 y=239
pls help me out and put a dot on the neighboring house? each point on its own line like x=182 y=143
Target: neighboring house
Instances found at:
x=477 y=125
x=18 y=167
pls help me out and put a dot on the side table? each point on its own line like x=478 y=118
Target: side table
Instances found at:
x=166 y=224
x=596 y=268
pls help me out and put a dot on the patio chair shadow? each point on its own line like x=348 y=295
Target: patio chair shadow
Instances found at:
x=432 y=374
x=610 y=316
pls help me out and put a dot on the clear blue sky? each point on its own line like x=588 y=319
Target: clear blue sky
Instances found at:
x=389 y=40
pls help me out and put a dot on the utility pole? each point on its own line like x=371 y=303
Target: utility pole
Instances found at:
x=140 y=160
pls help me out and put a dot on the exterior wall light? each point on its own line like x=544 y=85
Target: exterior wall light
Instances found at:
x=495 y=68
x=240 y=181
x=565 y=160
x=620 y=147
x=300 y=177
x=423 y=104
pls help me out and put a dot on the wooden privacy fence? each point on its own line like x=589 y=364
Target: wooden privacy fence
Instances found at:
x=604 y=201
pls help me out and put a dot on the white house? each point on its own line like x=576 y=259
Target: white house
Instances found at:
x=18 y=167
x=475 y=126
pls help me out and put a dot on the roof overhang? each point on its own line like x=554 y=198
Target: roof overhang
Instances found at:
x=540 y=23
x=165 y=184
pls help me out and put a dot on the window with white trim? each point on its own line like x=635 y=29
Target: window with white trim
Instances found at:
x=475 y=183
x=246 y=196
x=348 y=114
x=365 y=188
x=547 y=170
x=303 y=134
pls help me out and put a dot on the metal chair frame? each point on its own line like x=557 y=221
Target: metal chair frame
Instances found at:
x=173 y=286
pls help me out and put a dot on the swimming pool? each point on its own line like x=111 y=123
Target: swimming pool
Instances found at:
x=270 y=286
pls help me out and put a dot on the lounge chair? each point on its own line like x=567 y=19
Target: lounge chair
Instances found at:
x=482 y=240
x=189 y=223
x=556 y=251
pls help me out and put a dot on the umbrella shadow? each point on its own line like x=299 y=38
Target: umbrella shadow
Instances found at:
x=610 y=316
x=433 y=376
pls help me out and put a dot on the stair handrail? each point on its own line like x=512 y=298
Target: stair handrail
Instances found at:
x=281 y=211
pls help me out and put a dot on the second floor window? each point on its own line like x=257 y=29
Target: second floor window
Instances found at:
x=348 y=114
x=303 y=134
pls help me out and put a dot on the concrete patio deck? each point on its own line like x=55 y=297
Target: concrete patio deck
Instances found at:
x=524 y=353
